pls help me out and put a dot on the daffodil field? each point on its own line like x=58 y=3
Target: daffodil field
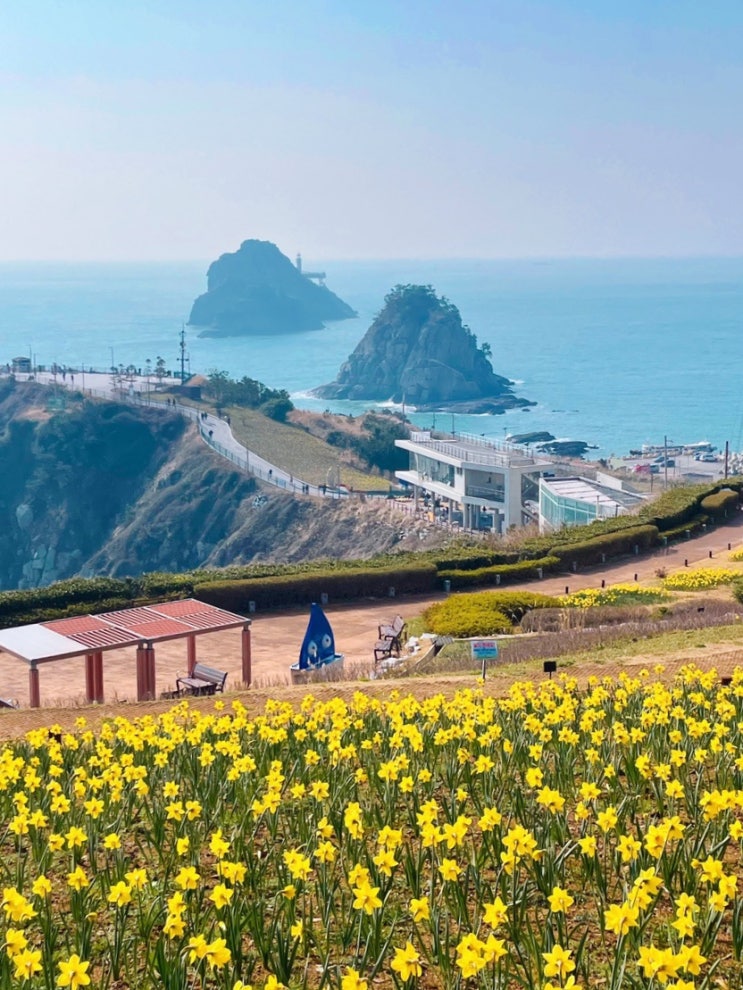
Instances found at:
x=552 y=838
x=699 y=579
x=615 y=594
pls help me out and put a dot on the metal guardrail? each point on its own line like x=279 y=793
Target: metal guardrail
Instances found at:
x=462 y=452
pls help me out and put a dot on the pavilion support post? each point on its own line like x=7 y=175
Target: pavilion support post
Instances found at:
x=191 y=646
x=98 y=676
x=141 y=672
x=150 y=665
x=90 y=696
x=34 y=690
x=247 y=655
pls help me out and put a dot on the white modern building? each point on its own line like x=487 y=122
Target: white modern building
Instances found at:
x=577 y=501
x=481 y=484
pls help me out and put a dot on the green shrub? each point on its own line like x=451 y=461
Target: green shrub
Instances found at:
x=63 y=593
x=301 y=589
x=540 y=546
x=611 y=545
x=159 y=583
x=277 y=408
x=737 y=589
x=679 y=505
x=500 y=573
x=483 y=614
x=474 y=559
x=472 y=621
x=719 y=504
x=693 y=526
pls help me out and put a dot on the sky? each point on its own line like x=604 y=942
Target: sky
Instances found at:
x=175 y=129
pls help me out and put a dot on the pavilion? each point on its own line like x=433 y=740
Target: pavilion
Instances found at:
x=91 y=635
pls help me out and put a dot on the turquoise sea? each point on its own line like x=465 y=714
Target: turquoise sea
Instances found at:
x=614 y=352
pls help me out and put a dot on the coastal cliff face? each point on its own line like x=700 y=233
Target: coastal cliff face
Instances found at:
x=257 y=290
x=75 y=480
x=104 y=489
x=418 y=351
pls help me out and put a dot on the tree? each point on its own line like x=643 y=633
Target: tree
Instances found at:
x=278 y=407
x=218 y=382
x=159 y=369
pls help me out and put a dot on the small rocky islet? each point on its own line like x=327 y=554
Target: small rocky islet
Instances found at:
x=257 y=290
x=418 y=352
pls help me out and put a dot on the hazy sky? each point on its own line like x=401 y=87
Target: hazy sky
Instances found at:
x=169 y=129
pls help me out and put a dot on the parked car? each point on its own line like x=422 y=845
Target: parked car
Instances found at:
x=708 y=458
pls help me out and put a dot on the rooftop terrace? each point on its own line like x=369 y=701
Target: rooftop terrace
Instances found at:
x=475 y=450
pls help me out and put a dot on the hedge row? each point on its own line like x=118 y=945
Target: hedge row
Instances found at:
x=679 y=505
x=290 y=589
x=524 y=570
x=274 y=585
x=540 y=546
x=64 y=593
x=602 y=547
x=695 y=525
x=719 y=503
x=474 y=560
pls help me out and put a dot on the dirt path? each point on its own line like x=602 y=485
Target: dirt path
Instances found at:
x=277 y=637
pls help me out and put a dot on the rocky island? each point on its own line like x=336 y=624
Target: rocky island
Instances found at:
x=257 y=290
x=419 y=352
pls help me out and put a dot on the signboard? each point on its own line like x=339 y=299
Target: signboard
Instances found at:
x=484 y=649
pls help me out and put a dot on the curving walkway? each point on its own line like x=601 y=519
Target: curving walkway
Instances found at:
x=215 y=432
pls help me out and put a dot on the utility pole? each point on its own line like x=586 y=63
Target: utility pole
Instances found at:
x=183 y=353
x=665 y=462
x=727 y=455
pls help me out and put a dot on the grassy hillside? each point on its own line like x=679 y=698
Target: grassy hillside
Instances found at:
x=303 y=455
x=299 y=445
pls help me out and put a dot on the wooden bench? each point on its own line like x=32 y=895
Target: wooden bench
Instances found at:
x=383 y=649
x=8 y=703
x=393 y=632
x=202 y=680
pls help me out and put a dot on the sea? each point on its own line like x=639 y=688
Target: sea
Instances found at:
x=615 y=352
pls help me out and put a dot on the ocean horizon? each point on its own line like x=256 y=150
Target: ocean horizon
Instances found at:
x=617 y=352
